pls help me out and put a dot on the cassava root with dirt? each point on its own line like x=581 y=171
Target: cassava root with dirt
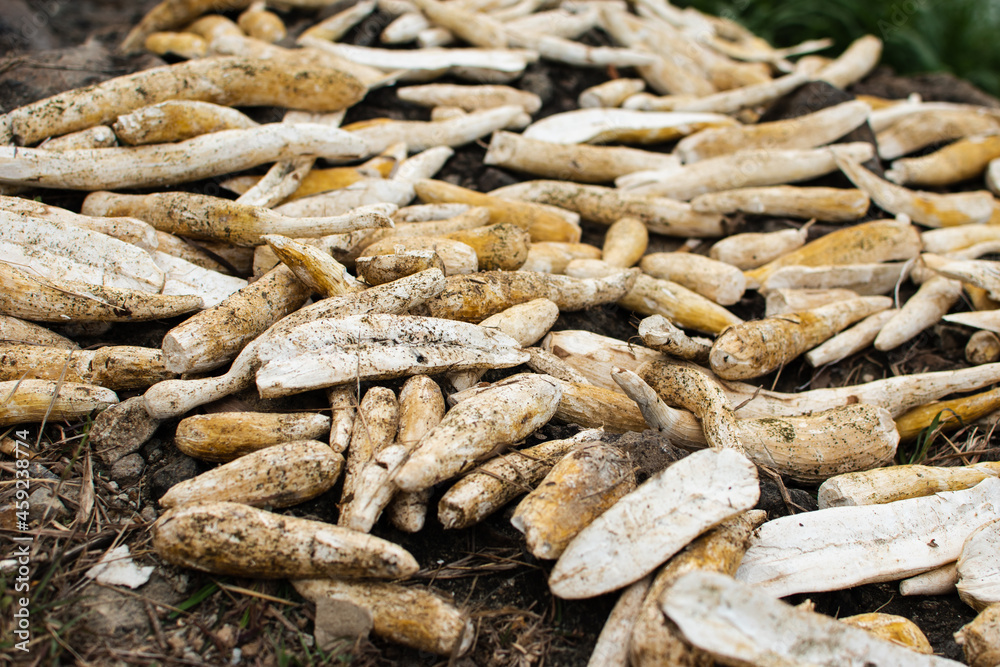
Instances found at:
x=367 y=376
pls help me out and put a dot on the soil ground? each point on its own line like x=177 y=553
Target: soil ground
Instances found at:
x=184 y=617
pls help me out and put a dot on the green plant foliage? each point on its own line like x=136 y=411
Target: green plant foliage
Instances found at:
x=956 y=36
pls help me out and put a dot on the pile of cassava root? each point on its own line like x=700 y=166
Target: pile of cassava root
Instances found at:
x=339 y=264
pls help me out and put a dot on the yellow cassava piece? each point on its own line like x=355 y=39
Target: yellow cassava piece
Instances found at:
x=114 y=366
x=475 y=297
x=926 y=208
x=718 y=281
x=948 y=415
x=229 y=538
x=215 y=218
x=377 y=422
x=655 y=296
x=541 y=224
x=654 y=641
x=185 y=45
x=885 y=485
x=224 y=436
x=980 y=639
x=231 y=81
x=407 y=615
x=315 y=268
x=381 y=269
x=259 y=23
x=278 y=476
x=421 y=407
x=591 y=406
x=555 y=256
x=31 y=401
x=751 y=250
x=625 y=242
x=876 y=241
x=757 y=347
x=501 y=479
x=578 y=489
x=176 y=120
x=216 y=335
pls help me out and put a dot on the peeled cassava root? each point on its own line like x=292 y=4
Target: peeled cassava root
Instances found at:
x=743 y=625
x=114 y=366
x=840 y=547
x=606 y=533
x=500 y=415
x=232 y=81
x=809 y=447
x=31 y=401
x=654 y=522
x=755 y=348
x=377 y=346
x=224 y=436
x=228 y=538
x=277 y=476
x=408 y=615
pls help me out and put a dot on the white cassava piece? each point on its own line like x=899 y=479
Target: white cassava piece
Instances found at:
x=654 y=522
x=200 y=157
x=175 y=397
x=979 y=567
x=330 y=352
x=625 y=125
x=742 y=625
x=841 y=547
x=499 y=415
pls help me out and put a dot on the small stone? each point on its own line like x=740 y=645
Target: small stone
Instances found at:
x=122 y=429
x=127 y=469
x=109 y=612
x=43 y=501
x=172 y=474
x=226 y=636
x=148 y=514
x=339 y=619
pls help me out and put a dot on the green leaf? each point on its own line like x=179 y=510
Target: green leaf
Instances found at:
x=195 y=599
